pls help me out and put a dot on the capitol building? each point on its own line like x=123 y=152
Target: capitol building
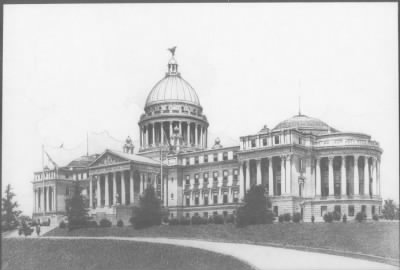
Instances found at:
x=304 y=164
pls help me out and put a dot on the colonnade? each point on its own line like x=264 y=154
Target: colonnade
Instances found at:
x=156 y=133
x=121 y=188
x=327 y=181
x=44 y=199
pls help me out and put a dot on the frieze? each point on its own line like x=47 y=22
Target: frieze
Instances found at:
x=110 y=169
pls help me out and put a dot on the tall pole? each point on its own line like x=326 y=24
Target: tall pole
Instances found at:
x=43 y=193
x=87 y=144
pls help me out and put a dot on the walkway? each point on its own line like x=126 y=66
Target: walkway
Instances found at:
x=260 y=257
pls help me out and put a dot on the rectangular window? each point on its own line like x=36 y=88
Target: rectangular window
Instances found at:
x=225 y=198
x=205 y=214
x=205 y=158
x=351 y=211
x=215 y=213
x=324 y=210
x=253 y=143
x=225 y=156
x=187 y=180
x=265 y=141
x=187 y=215
x=215 y=198
x=215 y=176
x=205 y=177
x=225 y=175
x=206 y=199
x=215 y=157
x=196 y=178
x=187 y=200
x=373 y=210
x=276 y=139
x=235 y=197
x=338 y=209
x=364 y=208
x=196 y=199
x=225 y=213
x=235 y=175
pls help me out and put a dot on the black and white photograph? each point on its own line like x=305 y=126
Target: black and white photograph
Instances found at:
x=191 y=136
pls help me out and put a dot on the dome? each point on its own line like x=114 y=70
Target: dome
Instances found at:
x=172 y=88
x=305 y=123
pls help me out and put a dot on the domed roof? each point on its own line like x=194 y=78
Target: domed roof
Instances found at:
x=172 y=88
x=305 y=123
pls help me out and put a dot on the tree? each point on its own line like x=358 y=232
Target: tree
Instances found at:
x=9 y=211
x=389 y=209
x=256 y=208
x=75 y=207
x=149 y=212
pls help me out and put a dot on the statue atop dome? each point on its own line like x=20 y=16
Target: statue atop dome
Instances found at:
x=128 y=146
x=172 y=50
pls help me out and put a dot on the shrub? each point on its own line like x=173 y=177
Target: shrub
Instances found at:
x=287 y=217
x=120 y=223
x=210 y=220
x=184 y=221
x=165 y=220
x=375 y=217
x=105 y=223
x=62 y=224
x=280 y=218
x=197 y=220
x=173 y=221
x=218 y=219
x=91 y=224
x=312 y=219
x=230 y=219
x=296 y=217
x=344 y=218
x=336 y=216
x=360 y=216
x=328 y=217
x=149 y=212
x=34 y=223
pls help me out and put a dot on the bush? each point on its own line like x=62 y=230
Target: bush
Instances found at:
x=91 y=224
x=105 y=223
x=120 y=223
x=62 y=225
x=344 y=218
x=280 y=218
x=287 y=217
x=328 y=217
x=312 y=219
x=296 y=217
x=184 y=221
x=173 y=221
x=375 y=217
x=218 y=219
x=360 y=216
x=197 y=220
x=230 y=219
x=336 y=216
x=149 y=212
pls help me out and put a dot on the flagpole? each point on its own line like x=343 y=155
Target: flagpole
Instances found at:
x=44 y=209
x=87 y=144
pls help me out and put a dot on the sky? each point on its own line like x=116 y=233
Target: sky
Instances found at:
x=78 y=71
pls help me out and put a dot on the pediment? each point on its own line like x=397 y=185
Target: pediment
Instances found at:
x=108 y=159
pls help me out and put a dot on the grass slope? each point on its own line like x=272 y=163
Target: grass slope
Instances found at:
x=59 y=254
x=374 y=238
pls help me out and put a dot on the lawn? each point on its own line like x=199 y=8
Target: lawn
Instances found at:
x=373 y=238
x=46 y=254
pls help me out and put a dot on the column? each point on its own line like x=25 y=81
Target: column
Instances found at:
x=188 y=133
x=154 y=134
x=373 y=176
x=123 y=198
x=258 y=161
x=241 y=179
x=170 y=129
x=318 y=176
x=366 y=176
x=106 y=191
x=141 y=136
x=283 y=175
x=378 y=176
x=90 y=193
x=114 y=188
x=180 y=128
x=34 y=201
x=356 y=178
x=195 y=135
x=206 y=138
x=162 y=132
x=55 y=196
x=247 y=175
x=330 y=176
x=47 y=199
x=98 y=191
x=131 y=187
x=201 y=136
x=270 y=177
x=343 y=182
x=288 y=178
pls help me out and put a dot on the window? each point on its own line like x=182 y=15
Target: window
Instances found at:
x=235 y=196
x=364 y=208
x=235 y=175
x=276 y=210
x=205 y=158
x=265 y=142
x=196 y=178
x=351 y=211
x=225 y=156
x=196 y=214
x=215 y=176
x=324 y=209
x=215 y=213
x=172 y=196
x=225 y=175
x=338 y=209
x=253 y=143
x=299 y=140
x=196 y=160
x=301 y=168
x=225 y=197
x=205 y=214
x=234 y=156
x=196 y=199
x=187 y=215
x=158 y=179
x=215 y=198
x=187 y=161
x=276 y=139
x=205 y=177
x=215 y=157
x=187 y=182
x=187 y=200
x=373 y=210
x=225 y=213
x=206 y=199
x=172 y=215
